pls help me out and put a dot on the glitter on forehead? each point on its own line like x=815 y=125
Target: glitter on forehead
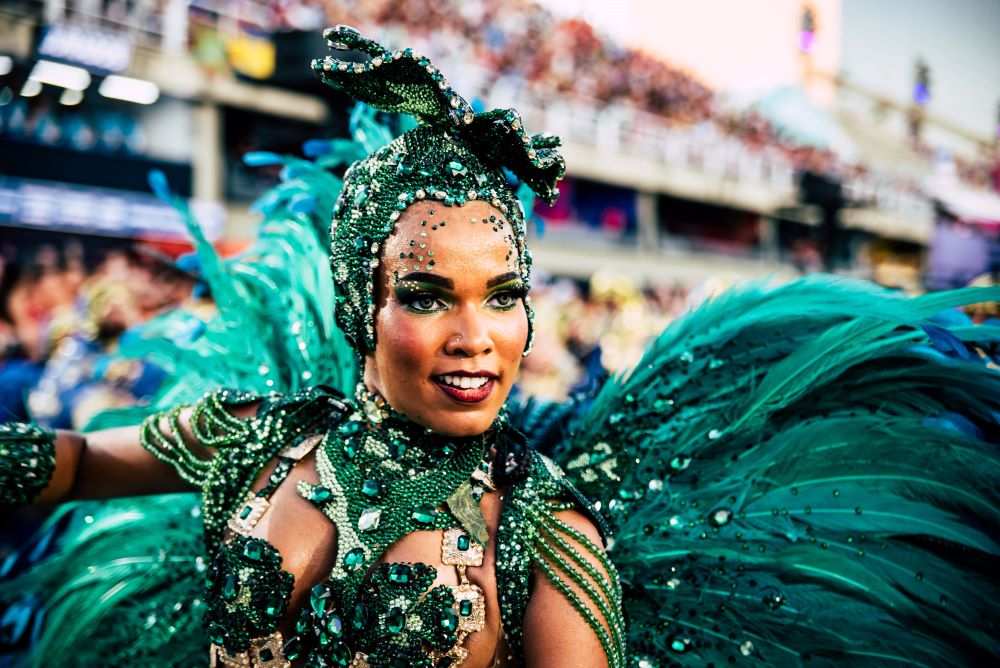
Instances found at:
x=456 y=156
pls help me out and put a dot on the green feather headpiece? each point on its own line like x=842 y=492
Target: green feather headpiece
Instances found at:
x=453 y=156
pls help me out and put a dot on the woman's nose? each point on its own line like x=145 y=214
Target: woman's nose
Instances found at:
x=471 y=335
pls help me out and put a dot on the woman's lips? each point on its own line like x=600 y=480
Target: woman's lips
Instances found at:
x=467 y=396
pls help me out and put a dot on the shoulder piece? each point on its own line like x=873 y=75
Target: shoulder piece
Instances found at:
x=241 y=446
x=282 y=422
x=532 y=538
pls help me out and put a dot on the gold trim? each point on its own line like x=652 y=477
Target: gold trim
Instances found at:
x=452 y=556
x=258 y=505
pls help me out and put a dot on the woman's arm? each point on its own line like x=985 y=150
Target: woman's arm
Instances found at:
x=103 y=464
x=557 y=632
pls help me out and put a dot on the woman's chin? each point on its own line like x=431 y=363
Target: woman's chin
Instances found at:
x=460 y=424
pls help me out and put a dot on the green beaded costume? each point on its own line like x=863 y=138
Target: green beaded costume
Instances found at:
x=792 y=475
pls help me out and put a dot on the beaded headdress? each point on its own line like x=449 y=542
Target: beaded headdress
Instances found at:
x=454 y=155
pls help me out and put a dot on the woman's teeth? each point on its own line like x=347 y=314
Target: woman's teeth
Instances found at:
x=464 y=382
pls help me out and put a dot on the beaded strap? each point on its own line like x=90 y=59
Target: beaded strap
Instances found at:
x=560 y=561
x=212 y=425
x=27 y=461
x=531 y=538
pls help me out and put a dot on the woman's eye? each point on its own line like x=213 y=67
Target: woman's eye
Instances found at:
x=504 y=300
x=423 y=303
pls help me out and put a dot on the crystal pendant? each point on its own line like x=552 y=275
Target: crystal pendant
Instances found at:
x=369 y=519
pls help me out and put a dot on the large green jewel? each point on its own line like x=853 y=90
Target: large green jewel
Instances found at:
x=449 y=620
x=354 y=558
x=400 y=573
x=425 y=514
x=318 y=597
x=372 y=488
x=395 y=620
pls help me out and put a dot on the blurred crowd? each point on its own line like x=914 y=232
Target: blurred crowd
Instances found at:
x=521 y=41
x=63 y=318
x=585 y=331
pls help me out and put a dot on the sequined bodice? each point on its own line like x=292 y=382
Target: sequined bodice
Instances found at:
x=376 y=480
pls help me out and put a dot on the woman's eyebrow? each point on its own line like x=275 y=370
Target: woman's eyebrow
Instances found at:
x=427 y=277
x=500 y=280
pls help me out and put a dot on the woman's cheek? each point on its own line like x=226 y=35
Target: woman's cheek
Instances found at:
x=410 y=337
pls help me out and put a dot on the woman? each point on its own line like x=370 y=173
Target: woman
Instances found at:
x=373 y=530
x=795 y=474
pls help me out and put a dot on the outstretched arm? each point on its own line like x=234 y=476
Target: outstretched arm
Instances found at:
x=102 y=464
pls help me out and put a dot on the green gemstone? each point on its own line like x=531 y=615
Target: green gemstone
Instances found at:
x=292 y=649
x=253 y=550
x=395 y=620
x=275 y=606
x=335 y=626
x=245 y=513
x=302 y=623
x=266 y=655
x=449 y=620
x=465 y=607
x=359 y=617
x=230 y=587
x=341 y=654
x=318 y=596
x=216 y=633
x=371 y=488
x=457 y=168
x=354 y=558
x=361 y=196
x=424 y=514
x=320 y=494
x=350 y=450
x=463 y=543
x=400 y=573
x=397 y=448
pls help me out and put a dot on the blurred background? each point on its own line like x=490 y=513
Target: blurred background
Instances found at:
x=707 y=142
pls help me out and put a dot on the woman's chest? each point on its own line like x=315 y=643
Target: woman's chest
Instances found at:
x=430 y=599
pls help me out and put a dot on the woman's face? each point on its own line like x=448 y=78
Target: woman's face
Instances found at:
x=450 y=325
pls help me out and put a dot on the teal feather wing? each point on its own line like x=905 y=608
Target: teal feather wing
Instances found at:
x=124 y=586
x=797 y=476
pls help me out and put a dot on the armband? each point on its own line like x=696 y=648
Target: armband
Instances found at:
x=27 y=461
